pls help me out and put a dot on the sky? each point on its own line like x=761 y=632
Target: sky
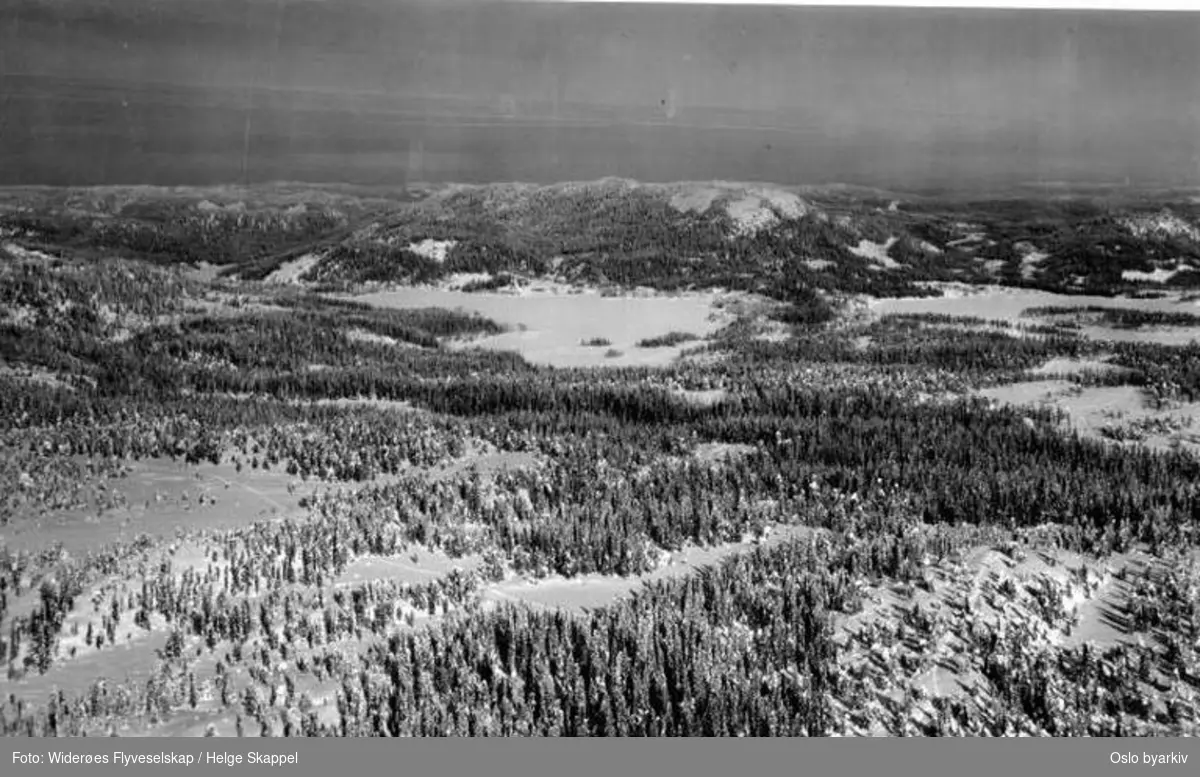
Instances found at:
x=865 y=95
x=1093 y=5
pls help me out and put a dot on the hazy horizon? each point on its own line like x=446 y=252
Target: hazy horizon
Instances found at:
x=228 y=91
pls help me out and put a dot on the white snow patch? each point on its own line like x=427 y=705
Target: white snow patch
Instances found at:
x=291 y=272
x=1030 y=263
x=18 y=316
x=702 y=397
x=363 y=336
x=973 y=237
x=876 y=252
x=993 y=266
x=1159 y=275
x=20 y=252
x=204 y=272
x=434 y=250
x=456 y=281
x=1064 y=365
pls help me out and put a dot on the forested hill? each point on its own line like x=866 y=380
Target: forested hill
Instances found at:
x=617 y=232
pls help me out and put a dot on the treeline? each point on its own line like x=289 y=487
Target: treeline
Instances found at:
x=163 y=235
x=46 y=438
x=125 y=328
x=1121 y=318
x=669 y=340
x=1169 y=373
x=605 y=235
x=626 y=238
x=491 y=283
